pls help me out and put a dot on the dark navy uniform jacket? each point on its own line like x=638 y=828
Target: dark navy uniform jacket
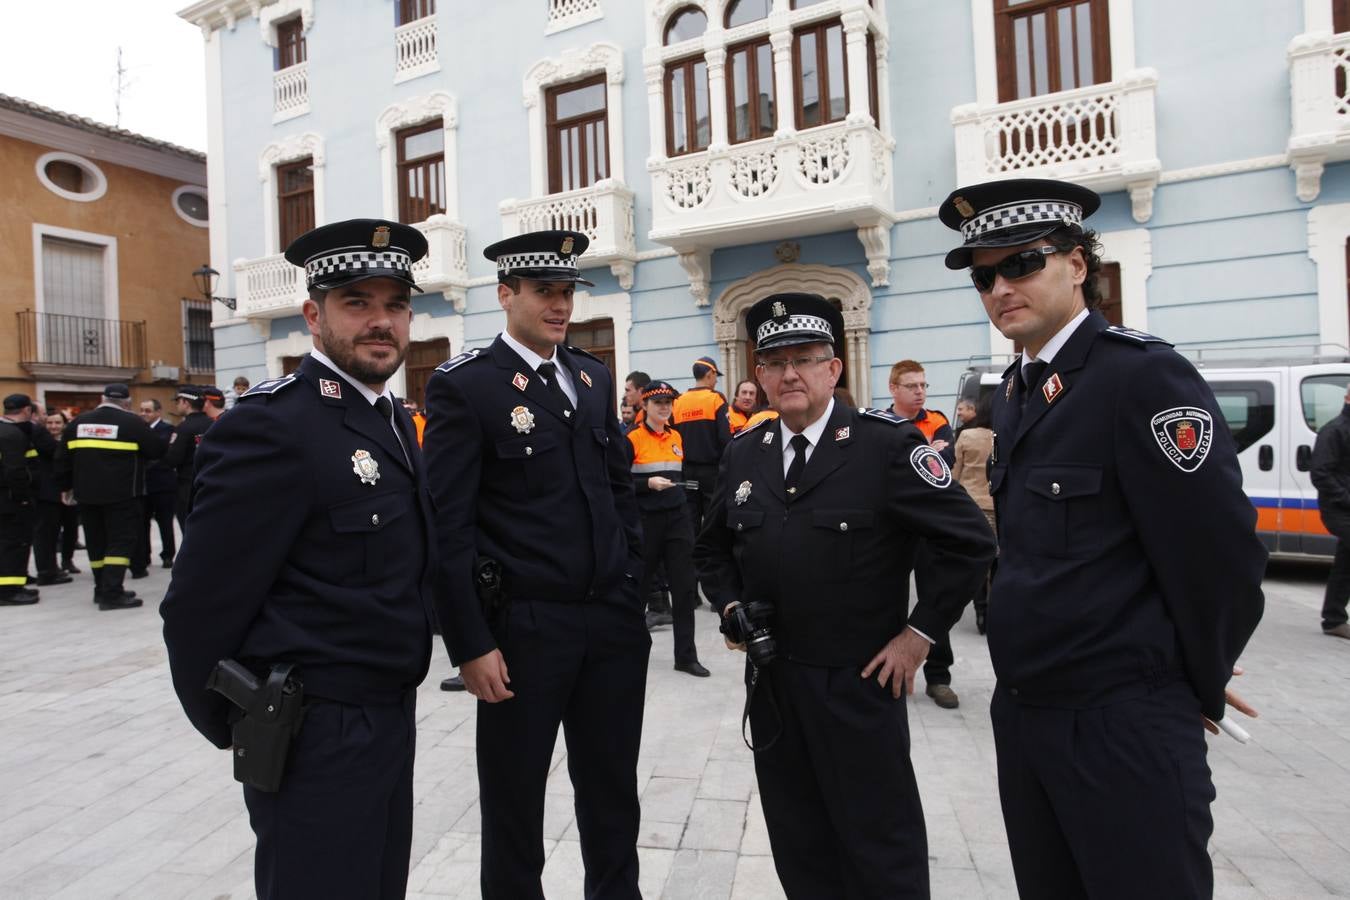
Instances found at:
x=836 y=560
x=161 y=478
x=1129 y=554
x=547 y=496
x=334 y=572
x=182 y=448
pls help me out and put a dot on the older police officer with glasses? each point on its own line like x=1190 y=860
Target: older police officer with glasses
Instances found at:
x=814 y=527
x=1129 y=577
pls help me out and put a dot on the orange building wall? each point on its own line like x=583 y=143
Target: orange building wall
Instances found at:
x=156 y=254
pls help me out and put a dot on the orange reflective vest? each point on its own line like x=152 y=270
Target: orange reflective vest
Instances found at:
x=929 y=421
x=760 y=417
x=736 y=419
x=700 y=415
x=656 y=453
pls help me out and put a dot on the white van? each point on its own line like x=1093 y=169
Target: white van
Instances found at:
x=1274 y=403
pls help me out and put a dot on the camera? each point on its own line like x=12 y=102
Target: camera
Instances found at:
x=749 y=624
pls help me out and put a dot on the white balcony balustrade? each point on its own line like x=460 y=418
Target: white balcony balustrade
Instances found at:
x=445 y=268
x=603 y=212
x=290 y=92
x=1103 y=136
x=415 y=49
x=1319 y=82
x=563 y=14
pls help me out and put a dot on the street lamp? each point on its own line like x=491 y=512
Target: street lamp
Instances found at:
x=205 y=277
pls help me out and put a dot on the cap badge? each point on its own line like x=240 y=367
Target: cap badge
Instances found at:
x=520 y=381
x=1052 y=388
x=963 y=207
x=522 y=419
x=380 y=239
x=330 y=388
x=586 y=379
x=366 y=467
x=778 y=309
x=841 y=434
x=743 y=493
x=566 y=248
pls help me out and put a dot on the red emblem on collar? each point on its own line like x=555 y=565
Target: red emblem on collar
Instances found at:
x=1052 y=388
x=520 y=381
x=330 y=388
x=585 y=378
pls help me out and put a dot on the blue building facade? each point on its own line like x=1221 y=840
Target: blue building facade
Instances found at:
x=716 y=150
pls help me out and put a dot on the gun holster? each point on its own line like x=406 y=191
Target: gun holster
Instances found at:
x=266 y=718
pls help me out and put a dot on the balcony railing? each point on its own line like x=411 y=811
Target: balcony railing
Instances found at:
x=445 y=268
x=563 y=14
x=1319 y=84
x=603 y=212
x=80 y=347
x=290 y=92
x=415 y=49
x=1103 y=136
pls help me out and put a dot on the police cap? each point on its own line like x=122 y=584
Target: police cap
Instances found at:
x=16 y=402
x=117 y=392
x=703 y=365
x=188 y=392
x=659 y=390
x=214 y=394
x=1012 y=212
x=357 y=249
x=782 y=320
x=540 y=256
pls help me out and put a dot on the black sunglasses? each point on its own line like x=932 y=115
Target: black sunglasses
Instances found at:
x=1011 y=267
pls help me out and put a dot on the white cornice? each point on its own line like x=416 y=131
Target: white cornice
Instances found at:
x=209 y=14
x=57 y=136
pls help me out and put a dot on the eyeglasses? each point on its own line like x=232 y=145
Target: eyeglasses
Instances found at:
x=1013 y=267
x=801 y=363
x=920 y=386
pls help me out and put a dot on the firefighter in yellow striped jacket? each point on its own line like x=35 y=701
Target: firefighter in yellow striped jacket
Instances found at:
x=103 y=457
x=656 y=452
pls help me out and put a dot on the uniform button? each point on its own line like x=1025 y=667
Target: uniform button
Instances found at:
x=1054 y=488
x=529 y=451
x=740 y=526
x=843 y=526
x=375 y=519
x=1013 y=692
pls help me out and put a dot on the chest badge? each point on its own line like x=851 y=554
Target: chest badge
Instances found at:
x=768 y=439
x=677 y=450
x=585 y=379
x=366 y=467
x=1052 y=388
x=330 y=388
x=522 y=419
x=520 y=381
x=841 y=434
x=743 y=493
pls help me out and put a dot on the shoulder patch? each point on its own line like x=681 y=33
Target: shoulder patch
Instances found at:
x=1134 y=336
x=270 y=386
x=749 y=428
x=882 y=415
x=455 y=362
x=930 y=466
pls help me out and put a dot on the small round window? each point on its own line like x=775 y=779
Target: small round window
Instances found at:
x=70 y=176
x=190 y=203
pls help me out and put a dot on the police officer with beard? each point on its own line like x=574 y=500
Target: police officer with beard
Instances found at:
x=321 y=470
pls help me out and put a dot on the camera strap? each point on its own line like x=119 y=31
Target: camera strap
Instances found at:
x=745 y=714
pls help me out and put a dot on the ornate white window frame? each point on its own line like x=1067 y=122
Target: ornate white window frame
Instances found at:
x=1120 y=15
x=831 y=282
x=1132 y=250
x=415 y=111
x=1317 y=16
x=269 y=16
x=574 y=65
x=289 y=149
x=618 y=308
x=1328 y=230
x=111 y=300
x=295 y=343
x=426 y=327
x=87 y=166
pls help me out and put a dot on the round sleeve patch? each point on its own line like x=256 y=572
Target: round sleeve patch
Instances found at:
x=931 y=467
x=1184 y=434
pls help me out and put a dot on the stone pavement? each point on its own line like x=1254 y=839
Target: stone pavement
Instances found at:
x=106 y=791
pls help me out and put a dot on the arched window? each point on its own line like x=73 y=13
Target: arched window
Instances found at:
x=741 y=11
x=687 y=22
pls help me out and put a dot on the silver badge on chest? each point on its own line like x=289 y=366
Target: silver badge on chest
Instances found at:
x=366 y=467
x=522 y=419
x=743 y=493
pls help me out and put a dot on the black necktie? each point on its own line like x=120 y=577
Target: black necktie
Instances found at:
x=386 y=409
x=549 y=372
x=1031 y=377
x=799 y=443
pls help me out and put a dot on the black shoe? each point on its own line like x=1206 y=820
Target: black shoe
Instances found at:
x=119 y=601
x=69 y=566
x=79 y=546
x=979 y=621
x=168 y=563
x=657 y=619
x=694 y=668
x=56 y=577
x=18 y=598
x=140 y=573
x=943 y=696
x=453 y=683
x=31 y=580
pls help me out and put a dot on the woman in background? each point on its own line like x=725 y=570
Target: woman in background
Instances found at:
x=973 y=446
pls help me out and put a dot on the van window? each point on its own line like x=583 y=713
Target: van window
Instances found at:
x=1323 y=397
x=1248 y=407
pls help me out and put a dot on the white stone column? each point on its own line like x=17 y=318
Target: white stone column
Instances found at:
x=716 y=59
x=656 y=110
x=784 y=87
x=855 y=39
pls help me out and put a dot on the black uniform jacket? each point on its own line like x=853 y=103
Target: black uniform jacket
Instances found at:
x=549 y=497
x=16 y=476
x=835 y=561
x=104 y=453
x=183 y=443
x=1331 y=464
x=161 y=478
x=1129 y=551
x=334 y=573
x=44 y=471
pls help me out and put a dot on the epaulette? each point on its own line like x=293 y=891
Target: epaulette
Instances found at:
x=270 y=386
x=1134 y=335
x=749 y=428
x=580 y=352
x=455 y=362
x=883 y=415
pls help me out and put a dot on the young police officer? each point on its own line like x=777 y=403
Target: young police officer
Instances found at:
x=531 y=481
x=819 y=514
x=1130 y=573
x=322 y=470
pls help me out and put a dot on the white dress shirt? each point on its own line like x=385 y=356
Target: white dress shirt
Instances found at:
x=534 y=361
x=1055 y=344
x=812 y=433
x=365 y=391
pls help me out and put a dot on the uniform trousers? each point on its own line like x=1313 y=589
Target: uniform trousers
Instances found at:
x=1338 y=582
x=699 y=501
x=667 y=537
x=110 y=534
x=837 y=787
x=584 y=666
x=16 y=539
x=1110 y=802
x=56 y=524
x=157 y=508
x=341 y=825
x=182 y=504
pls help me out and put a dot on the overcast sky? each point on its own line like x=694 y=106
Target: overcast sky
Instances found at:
x=64 y=55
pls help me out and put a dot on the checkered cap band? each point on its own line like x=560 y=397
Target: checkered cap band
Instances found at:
x=508 y=262
x=795 y=324
x=1020 y=214
x=320 y=267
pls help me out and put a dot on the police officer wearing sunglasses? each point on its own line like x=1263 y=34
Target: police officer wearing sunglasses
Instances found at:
x=1129 y=577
